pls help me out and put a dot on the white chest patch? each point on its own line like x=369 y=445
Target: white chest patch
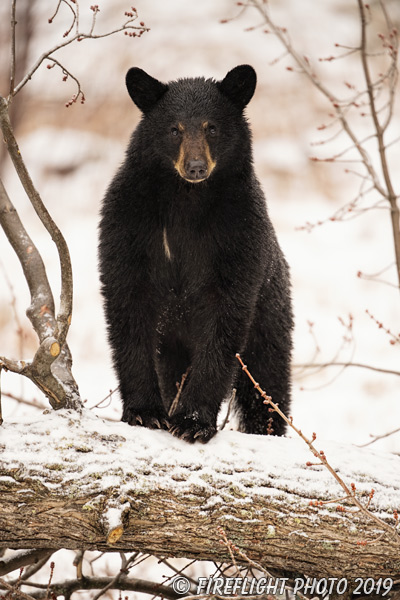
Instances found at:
x=166 y=246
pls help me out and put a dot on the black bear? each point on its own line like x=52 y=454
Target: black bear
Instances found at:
x=190 y=266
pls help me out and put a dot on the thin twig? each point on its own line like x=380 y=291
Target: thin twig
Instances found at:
x=79 y=36
x=122 y=573
x=15 y=592
x=379 y=437
x=334 y=101
x=35 y=403
x=385 y=189
x=12 y=61
x=345 y=365
x=175 y=402
x=228 y=411
x=230 y=547
x=321 y=456
x=66 y=73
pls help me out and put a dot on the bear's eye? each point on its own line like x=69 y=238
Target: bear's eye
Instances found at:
x=174 y=131
x=212 y=130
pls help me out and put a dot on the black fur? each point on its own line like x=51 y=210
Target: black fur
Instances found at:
x=224 y=287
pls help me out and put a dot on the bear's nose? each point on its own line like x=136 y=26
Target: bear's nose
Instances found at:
x=196 y=169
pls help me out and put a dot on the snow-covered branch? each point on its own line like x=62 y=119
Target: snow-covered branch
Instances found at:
x=87 y=484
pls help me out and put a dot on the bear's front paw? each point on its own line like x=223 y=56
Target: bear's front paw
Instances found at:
x=147 y=418
x=191 y=428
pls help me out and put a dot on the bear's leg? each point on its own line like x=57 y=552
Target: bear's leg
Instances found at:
x=215 y=336
x=268 y=357
x=142 y=404
x=133 y=353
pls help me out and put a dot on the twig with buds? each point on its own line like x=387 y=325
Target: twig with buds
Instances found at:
x=50 y=368
x=364 y=101
x=320 y=455
x=127 y=27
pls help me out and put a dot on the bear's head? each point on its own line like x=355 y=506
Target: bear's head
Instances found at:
x=194 y=126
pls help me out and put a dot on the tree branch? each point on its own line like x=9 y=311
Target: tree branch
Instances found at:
x=127 y=28
x=11 y=588
x=390 y=193
x=170 y=498
x=345 y=364
x=68 y=587
x=385 y=188
x=320 y=456
x=65 y=310
x=12 y=59
x=51 y=366
x=22 y=559
x=335 y=102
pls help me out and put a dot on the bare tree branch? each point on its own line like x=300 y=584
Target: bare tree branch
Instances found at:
x=390 y=193
x=51 y=366
x=65 y=310
x=42 y=371
x=312 y=365
x=379 y=437
x=172 y=505
x=320 y=456
x=14 y=591
x=68 y=587
x=127 y=27
x=12 y=60
x=22 y=559
x=341 y=107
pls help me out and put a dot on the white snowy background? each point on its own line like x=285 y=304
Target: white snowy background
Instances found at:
x=73 y=153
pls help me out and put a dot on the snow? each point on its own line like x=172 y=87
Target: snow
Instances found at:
x=103 y=457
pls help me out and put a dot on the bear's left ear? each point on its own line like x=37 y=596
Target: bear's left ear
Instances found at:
x=144 y=90
x=239 y=85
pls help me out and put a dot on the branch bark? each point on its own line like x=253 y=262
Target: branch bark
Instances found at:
x=382 y=184
x=379 y=129
x=22 y=559
x=50 y=369
x=65 y=311
x=131 y=584
x=92 y=485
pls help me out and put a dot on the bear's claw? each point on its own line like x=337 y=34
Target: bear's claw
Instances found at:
x=149 y=421
x=191 y=430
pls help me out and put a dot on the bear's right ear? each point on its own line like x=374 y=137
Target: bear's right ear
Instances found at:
x=144 y=90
